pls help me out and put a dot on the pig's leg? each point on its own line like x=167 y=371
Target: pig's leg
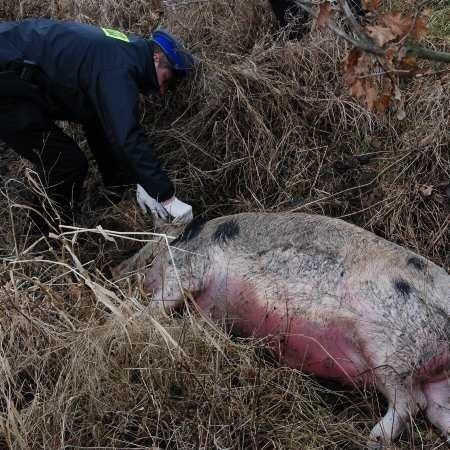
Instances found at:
x=438 y=405
x=405 y=400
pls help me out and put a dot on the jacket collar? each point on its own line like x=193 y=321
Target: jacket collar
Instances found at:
x=147 y=80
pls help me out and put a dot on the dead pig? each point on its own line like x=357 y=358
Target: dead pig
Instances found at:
x=336 y=301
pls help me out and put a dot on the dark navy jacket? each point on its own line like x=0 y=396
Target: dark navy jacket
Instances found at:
x=95 y=76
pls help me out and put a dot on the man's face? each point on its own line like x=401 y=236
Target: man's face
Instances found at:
x=164 y=73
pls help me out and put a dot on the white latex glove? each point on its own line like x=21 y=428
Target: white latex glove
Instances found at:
x=180 y=211
x=173 y=207
x=146 y=203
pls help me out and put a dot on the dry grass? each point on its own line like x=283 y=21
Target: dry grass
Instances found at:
x=266 y=125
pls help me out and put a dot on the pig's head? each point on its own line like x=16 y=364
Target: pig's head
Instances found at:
x=173 y=272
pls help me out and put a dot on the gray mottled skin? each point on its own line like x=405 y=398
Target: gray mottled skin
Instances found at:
x=387 y=308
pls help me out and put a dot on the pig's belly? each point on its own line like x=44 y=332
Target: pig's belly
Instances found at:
x=436 y=367
x=325 y=350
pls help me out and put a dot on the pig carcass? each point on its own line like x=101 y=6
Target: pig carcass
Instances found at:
x=334 y=300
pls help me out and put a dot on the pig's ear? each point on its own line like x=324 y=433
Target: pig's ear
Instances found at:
x=135 y=262
x=120 y=270
x=169 y=229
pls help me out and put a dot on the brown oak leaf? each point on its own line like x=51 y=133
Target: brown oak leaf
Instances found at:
x=419 y=29
x=382 y=103
x=350 y=63
x=371 y=96
x=389 y=55
x=408 y=63
x=357 y=89
x=397 y=23
x=352 y=58
x=370 y=5
x=381 y=35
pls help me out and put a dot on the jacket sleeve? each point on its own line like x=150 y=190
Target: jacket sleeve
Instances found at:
x=115 y=96
x=8 y=53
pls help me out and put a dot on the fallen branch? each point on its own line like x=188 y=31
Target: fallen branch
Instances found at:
x=427 y=53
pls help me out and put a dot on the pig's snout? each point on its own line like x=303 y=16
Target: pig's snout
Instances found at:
x=154 y=278
x=164 y=288
x=150 y=284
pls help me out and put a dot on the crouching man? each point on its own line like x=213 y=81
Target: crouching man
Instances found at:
x=51 y=70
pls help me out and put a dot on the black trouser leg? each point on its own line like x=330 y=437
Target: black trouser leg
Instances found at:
x=60 y=163
x=284 y=10
x=113 y=173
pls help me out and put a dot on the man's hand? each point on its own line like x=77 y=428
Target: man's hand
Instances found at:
x=179 y=211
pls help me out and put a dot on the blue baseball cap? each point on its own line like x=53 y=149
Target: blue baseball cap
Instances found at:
x=181 y=60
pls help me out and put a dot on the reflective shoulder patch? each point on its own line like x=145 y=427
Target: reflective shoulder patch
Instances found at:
x=115 y=34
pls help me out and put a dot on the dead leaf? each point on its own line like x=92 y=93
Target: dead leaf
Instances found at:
x=352 y=58
x=408 y=63
x=370 y=5
x=365 y=65
x=401 y=25
x=382 y=104
x=397 y=23
x=324 y=15
x=350 y=63
x=419 y=29
x=357 y=89
x=389 y=55
x=381 y=35
x=371 y=96
x=360 y=68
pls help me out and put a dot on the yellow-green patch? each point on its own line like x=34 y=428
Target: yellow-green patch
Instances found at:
x=115 y=34
x=439 y=23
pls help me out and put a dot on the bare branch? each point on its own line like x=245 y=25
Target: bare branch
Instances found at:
x=427 y=53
